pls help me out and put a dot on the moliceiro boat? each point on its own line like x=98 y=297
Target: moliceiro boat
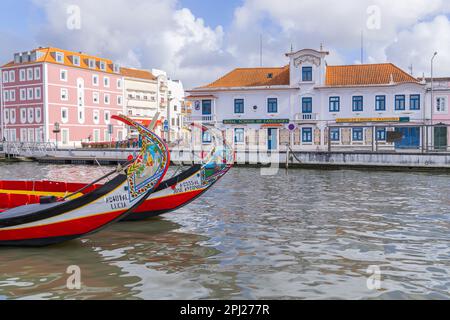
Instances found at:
x=55 y=219
x=170 y=195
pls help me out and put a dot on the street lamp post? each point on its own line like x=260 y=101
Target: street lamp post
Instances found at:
x=56 y=130
x=432 y=97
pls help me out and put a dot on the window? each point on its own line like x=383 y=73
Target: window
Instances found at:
x=357 y=134
x=307 y=74
x=12 y=116
x=400 y=102
x=12 y=95
x=414 y=102
x=116 y=68
x=37 y=112
x=95 y=80
x=23 y=94
x=12 y=76
x=95 y=97
x=380 y=103
x=206 y=107
x=102 y=66
x=381 y=134
x=106 y=82
x=239 y=135
x=76 y=60
x=37 y=93
x=335 y=104
x=5 y=77
x=64 y=115
x=238 y=105
x=441 y=104
x=22 y=75
x=272 y=105
x=91 y=63
x=96 y=116
x=6 y=96
x=107 y=117
x=306 y=105
x=30 y=74
x=307 y=135
x=335 y=134
x=23 y=116
x=30 y=94
x=59 y=57
x=6 y=114
x=37 y=73
x=119 y=100
x=64 y=94
x=106 y=98
x=30 y=115
x=206 y=137
x=63 y=75
x=358 y=104
x=119 y=83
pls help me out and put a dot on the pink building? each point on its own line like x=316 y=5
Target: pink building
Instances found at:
x=440 y=112
x=47 y=86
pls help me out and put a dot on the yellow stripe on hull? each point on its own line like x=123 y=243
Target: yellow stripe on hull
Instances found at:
x=41 y=193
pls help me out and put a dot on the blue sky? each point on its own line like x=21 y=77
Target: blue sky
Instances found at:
x=183 y=37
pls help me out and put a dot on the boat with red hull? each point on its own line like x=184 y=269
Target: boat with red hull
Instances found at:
x=54 y=220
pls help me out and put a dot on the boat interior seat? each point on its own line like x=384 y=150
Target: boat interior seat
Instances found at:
x=182 y=176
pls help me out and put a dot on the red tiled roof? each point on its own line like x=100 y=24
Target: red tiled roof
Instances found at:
x=136 y=73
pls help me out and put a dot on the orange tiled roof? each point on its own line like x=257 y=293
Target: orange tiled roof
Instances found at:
x=253 y=77
x=136 y=73
x=366 y=74
x=49 y=55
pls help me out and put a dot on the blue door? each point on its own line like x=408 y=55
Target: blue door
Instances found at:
x=272 y=139
x=410 y=138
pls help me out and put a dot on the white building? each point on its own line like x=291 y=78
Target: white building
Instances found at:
x=311 y=105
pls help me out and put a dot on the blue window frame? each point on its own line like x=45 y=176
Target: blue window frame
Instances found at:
x=335 y=134
x=400 y=102
x=357 y=134
x=335 y=104
x=272 y=105
x=239 y=135
x=306 y=105
x=206 y=137
x=381 y=134
x=380 y=103
x=307 y=135
x=238 y=105
x=358 y=103
x=414 y=102
x=206 y=107
x=307 y=74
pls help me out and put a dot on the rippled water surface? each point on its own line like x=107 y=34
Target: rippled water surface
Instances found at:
x=303 y=235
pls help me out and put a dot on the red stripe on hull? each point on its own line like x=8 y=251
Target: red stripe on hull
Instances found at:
x=167 y=203
x=60 y=229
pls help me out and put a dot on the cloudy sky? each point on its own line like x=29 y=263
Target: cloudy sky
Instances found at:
x=199 y=40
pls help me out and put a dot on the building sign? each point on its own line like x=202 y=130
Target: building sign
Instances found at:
x=356 y=120
x=256 y=121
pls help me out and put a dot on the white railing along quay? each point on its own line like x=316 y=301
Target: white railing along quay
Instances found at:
x=29 y=149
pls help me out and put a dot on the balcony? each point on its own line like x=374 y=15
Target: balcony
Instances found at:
x=306 y=117
x=199 y=119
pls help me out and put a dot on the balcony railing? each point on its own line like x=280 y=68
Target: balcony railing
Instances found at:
x=191 y=119
x=306 y=117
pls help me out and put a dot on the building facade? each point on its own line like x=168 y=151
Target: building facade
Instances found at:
x=309 y=105
x=47 y=88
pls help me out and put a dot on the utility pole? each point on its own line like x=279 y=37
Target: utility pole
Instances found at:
x=261 y=51
x=362 y=46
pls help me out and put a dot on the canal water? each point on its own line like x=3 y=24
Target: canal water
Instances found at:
x=308 y=234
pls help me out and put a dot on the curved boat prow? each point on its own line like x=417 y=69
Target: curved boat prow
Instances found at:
x=45 y=224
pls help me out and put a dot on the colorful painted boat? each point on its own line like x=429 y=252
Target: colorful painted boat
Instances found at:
x=170 y=195
x=42 y=224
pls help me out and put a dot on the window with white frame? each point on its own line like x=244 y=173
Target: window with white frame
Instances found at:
x=12 y=116
x=96 y=116
x=64 y=94
x=106 y=82
x=441 y=104
x=23 y=94
x=119 y=83
x=6 y=115
x=63 y=75
x=95 y=80
x=107 y=117
x=107 y=98
x=76 y=60
x=22 y=75
x=6 y=96
x=91 y=63
x=30 y=115
x=37 y=73
x=30 y=74
x=38 y=114
x=59 y=57
x=5 y=77
x=239 y=135
x=12 y=76
x=37 y=93
x=64 y=115
x=102 y=65
x=12 y=95
x=95 y=97
x=23 y=115
x=30 y=93
x=119 y=100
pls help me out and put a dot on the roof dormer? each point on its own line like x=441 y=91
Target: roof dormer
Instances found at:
x=307 y=67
